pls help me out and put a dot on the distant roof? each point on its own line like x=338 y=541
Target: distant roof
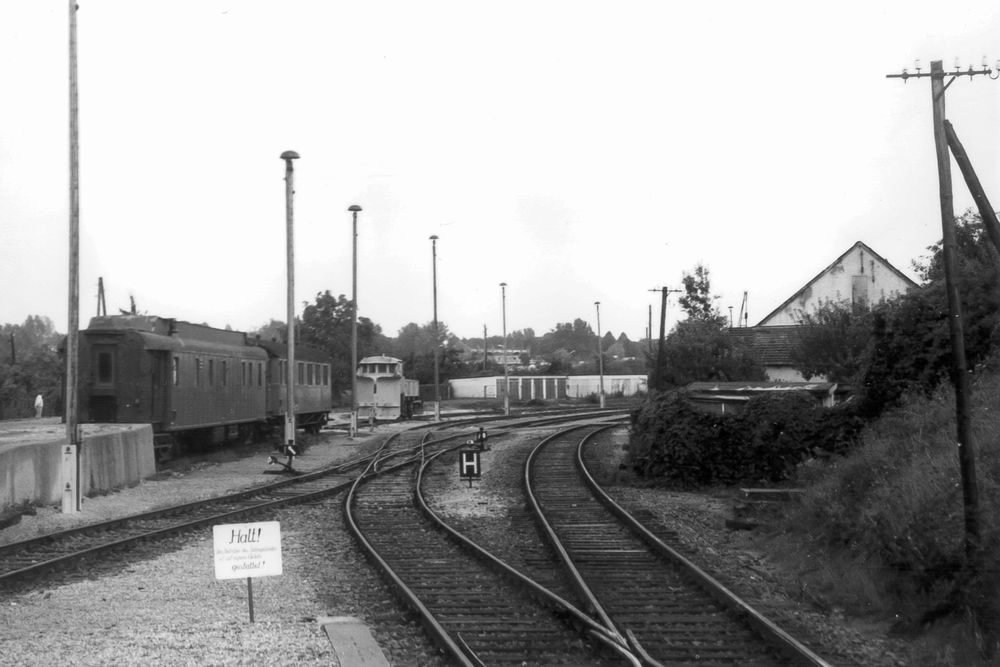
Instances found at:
x=771 y=345
x=859 y=244
x=380 y=360
x=761 y=387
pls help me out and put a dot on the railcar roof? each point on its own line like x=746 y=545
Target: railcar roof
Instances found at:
x=302 y=352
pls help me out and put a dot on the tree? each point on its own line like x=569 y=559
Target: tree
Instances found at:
x=833 y=341
x=698 y=301
x=415 y=346
x=326 y=324
x=702 y=349
x=30 y=365
x=576 y=339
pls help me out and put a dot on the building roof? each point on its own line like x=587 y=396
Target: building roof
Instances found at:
x=829 y=268
x=771 y=345
x=380 y=359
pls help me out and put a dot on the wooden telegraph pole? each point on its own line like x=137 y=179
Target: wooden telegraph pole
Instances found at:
x=658 y=370
x=959 y=371
x=71 y=452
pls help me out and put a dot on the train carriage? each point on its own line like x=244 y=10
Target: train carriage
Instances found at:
x=193 y=383
x=313 y=392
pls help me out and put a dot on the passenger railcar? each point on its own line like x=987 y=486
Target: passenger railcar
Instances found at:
x=383 y=389
x=193 y=383
x=313 y=393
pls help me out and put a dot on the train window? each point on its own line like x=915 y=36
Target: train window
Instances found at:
x=225 y=372
x=197 y=372
x=243 y=373
x=301 y=373
x=177 y=371
x=211 y=372
x=309 y=373
x=260 y=374
x=326 y=375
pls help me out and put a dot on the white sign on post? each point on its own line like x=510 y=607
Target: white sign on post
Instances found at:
x=244 y=550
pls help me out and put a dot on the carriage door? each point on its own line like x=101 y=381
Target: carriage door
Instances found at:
x=103 y=397
x=159 y=391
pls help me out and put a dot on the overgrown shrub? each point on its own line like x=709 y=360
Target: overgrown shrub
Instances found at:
x=672 y=440
x=892 y=511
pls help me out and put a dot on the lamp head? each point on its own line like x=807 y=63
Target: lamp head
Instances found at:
x=289 y=155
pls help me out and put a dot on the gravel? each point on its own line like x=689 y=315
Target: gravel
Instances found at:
x=160 y=603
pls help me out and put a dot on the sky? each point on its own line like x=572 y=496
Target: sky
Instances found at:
x=577 y=151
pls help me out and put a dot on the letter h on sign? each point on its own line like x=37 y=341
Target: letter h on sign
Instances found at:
x=468 y=465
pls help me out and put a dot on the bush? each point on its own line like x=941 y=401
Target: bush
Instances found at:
x=892 y=511
x=674 y=441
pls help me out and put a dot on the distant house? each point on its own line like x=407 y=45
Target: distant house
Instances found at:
x=859 y=276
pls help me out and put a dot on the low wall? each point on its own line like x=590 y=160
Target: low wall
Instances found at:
x=108 y=461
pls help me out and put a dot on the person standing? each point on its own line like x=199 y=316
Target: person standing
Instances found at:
x=39 y=406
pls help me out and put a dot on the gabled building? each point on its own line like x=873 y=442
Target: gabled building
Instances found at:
x=859 y=276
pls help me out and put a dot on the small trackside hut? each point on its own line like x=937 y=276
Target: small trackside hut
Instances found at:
x=382 y=388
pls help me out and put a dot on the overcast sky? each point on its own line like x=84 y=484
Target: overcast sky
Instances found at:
x=577 y=151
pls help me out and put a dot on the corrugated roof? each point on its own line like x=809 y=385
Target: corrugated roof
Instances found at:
x=771 y=346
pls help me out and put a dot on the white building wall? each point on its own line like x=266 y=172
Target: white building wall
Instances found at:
x=577 y=386
x=858 y=275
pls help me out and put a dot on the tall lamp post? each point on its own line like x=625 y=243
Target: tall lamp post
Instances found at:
x=506 y=378
x=437 y=382
x=288 y=156
x=600 y=353
x=354 y=209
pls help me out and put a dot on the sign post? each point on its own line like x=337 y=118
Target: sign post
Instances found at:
x=247 y=550
x=468 y=465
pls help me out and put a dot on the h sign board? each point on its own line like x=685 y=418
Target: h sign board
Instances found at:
x=468 y=465
x=244 y=550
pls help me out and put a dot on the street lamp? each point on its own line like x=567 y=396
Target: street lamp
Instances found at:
x=600 y=353
x=354 y=209
x=506 y=378
x=288 y=156
x=437 y=382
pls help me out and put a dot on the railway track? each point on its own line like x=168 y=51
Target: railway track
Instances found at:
x=670 y=611
x=22 y=562
x=468 y=606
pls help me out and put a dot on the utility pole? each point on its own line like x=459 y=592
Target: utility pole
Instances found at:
x=102 y=306
x=959 y=371
x=649 y=329
x=658 y=370
x=486 y=348
x=288 y=157
x=71 y=453
x=986 y=212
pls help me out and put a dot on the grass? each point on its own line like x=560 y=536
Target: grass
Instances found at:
x=880 y=533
